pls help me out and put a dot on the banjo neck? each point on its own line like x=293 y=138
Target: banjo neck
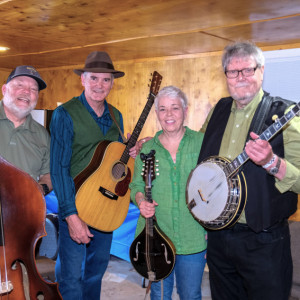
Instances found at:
x=232 y=168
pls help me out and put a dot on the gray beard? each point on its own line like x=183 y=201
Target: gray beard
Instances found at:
x=20 y=114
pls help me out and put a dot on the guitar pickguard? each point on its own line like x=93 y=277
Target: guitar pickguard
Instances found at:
x=123 y=185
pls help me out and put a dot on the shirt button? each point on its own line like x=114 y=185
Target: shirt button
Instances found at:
x=237 y=125
x=247 y=116
x=233 y=141
x=229 y=156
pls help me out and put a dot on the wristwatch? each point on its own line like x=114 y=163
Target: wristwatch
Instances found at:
x=45 y=188
x=274 y=170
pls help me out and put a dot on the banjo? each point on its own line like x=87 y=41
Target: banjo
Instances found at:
x=216 y=191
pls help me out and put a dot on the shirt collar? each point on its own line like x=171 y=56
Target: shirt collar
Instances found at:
x=252 y=104
x=83 y=100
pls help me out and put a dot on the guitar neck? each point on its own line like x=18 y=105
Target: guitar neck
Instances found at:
x=270 y=132
x=154 y=88
x=138 y=128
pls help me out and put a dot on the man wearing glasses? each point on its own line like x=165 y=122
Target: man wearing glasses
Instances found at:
x=252 y=258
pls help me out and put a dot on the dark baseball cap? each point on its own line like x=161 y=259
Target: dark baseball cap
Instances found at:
x=27 y=71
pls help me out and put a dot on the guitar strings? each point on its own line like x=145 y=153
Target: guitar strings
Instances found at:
x=6 y=283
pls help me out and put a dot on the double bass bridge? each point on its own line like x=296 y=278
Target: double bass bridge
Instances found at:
x=6 y=287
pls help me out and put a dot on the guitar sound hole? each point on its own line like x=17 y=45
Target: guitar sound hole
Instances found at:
x=119 y=170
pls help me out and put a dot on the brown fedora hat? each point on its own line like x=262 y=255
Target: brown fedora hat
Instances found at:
x=99 y=62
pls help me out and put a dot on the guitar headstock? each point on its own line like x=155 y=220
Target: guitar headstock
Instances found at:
x=149 y=167
x=155 y=83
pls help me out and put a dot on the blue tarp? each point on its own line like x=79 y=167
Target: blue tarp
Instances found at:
x=122 y=237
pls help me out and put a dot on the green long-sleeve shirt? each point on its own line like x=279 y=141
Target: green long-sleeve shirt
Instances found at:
x=172 y=214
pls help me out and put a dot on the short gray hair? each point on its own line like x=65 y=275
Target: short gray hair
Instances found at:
x=242 y=50
x=85 y=73
x=171 y=92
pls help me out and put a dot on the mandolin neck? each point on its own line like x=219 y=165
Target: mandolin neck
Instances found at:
x=149 y=221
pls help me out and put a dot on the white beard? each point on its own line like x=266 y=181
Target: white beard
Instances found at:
x=20 y=113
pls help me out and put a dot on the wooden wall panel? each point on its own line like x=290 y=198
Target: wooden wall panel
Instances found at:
x=201 y=78
x=3 y=77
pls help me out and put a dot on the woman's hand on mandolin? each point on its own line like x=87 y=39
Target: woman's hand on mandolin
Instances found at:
x=79 y=231
x=147 y=209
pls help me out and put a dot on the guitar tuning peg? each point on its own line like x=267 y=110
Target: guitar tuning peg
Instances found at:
x=275 y=118
x=157 y=169
x=157 y=173
x=157 y=160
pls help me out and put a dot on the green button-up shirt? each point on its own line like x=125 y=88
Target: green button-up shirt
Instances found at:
x=27 y=147
x=235 y=135
x=172 y=214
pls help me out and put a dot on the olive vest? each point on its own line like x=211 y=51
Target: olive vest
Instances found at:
x=87 y=134
x=265 y=205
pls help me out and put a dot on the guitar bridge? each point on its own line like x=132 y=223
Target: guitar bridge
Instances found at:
x=108 y=193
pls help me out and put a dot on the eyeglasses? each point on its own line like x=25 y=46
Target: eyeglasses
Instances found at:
x=245 y=72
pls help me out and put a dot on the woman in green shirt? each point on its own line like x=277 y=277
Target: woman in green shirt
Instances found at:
x=177 y=148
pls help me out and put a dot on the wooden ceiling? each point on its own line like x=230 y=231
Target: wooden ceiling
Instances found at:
x=58 y=33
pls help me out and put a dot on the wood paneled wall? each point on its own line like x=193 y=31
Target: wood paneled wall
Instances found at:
x=201 y=78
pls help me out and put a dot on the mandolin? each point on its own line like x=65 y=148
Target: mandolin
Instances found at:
x=152 y=253
x=102 y=188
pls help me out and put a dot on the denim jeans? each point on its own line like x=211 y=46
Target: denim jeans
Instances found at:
x=188 y=271
x=79 y=268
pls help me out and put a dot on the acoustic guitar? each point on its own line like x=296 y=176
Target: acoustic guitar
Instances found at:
x=102 y=188
x=152 y=253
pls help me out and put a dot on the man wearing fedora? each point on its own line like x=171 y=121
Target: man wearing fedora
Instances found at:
x=24 y=142
x=77 y=127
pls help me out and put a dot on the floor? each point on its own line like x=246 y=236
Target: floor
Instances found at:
x=120 y=281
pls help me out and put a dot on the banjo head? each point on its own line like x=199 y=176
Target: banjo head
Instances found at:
x=214 y=200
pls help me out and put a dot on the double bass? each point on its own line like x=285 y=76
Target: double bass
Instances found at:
x=152 y=253
x=22 y=223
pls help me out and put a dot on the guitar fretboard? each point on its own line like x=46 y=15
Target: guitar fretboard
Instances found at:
x=138 y=128
x=271 y=131
x=154 y=88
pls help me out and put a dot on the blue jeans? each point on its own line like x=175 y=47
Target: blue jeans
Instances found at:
x=79 y=268
x=188 y=271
